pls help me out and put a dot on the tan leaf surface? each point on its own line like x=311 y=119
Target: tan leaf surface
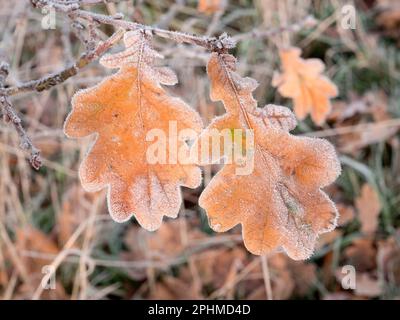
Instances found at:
x=389 y=256
x=346 y=214
x=165 y=245
x=367 y=285
x=171 y=288
x=368 y=206
x=163 y=248
x=279 y=204
x=361 y=254
x=216 y=265
x=121 y=110
x=30 y=239
x=302 y=80
x=389 y=14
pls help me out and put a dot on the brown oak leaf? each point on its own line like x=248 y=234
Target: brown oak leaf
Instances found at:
x=211 y=6
x=302 y=81
x=279 y=203
x=29 y=239
x=120 y=111
x=369 y=207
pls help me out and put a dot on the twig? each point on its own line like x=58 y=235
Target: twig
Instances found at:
x=10 y=115
x=72 y=9
x=91 y=2
x=43 y=84
x=52 y=80
x=26 y=144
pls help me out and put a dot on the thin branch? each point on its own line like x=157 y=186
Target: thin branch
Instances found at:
x=44 y=83
x=54 y=79
x=89 y=2
x=72 y=9
x=92 y=2
x=10 y=115
x=210 y=43
x=26 y=144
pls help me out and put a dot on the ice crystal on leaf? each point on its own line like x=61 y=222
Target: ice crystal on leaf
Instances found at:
x=121 y=110
x=280 y=203
x=302 y=80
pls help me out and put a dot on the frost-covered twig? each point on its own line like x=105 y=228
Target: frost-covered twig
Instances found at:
x=54 y=79
x=72 y=9
x=10 y=115
x=42 y=84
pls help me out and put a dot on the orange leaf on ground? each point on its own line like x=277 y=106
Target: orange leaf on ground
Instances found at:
x=121 y=110
x=279 y=203
x=302 y=81
x=211 y=6
x=368 y=206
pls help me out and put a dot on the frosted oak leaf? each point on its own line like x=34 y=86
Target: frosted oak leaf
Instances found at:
x=302 y=80
x=211 y=6
x=279 y=204
x=120 y=111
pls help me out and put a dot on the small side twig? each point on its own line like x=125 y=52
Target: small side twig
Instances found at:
x=10 y=115
x=73 y=9
x=41 y=84
x=52 y=80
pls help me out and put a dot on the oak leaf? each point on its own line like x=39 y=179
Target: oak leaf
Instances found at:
x=369 y=207
x=174 y=288
x=29 y=239
x=279 y=204
x=120 y=111
x=389 y=255
x=166 y=245
x=211 y=6
x=346 y=214
x=361 y=254
x=302 y=81
x=217 y=267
